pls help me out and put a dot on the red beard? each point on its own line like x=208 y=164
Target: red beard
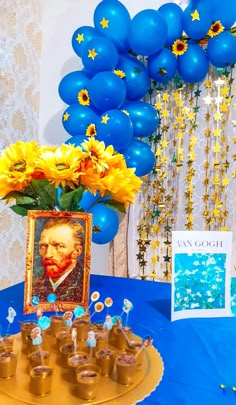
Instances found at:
x=54 y=270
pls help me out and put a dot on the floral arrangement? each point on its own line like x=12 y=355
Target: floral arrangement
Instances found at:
x=55 y=178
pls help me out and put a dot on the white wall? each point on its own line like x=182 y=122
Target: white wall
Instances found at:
x=60 y=18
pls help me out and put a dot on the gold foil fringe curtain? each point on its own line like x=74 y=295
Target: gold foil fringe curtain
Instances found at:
x=189 y=187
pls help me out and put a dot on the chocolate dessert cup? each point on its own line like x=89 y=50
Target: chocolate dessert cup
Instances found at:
x=105 y=359
x=8 y=363
x=88 y=378
x=126 y=366
x=41 y=380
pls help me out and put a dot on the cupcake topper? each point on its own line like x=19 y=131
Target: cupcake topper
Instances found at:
x=108 y=303
x=98 y=307
x=91 y=341
x=44 y=322
x=39 y=313
x=79 y=311
x=147 y=341
x=36 y=336
x=10 y=317
x=94 y=297
x=108 y=323
x=67 y=318
x=127 y=307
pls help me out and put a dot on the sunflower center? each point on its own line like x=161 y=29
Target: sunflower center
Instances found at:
x=94 y=154
x=19 y=166
x=216 y=27
x=62 y=166
x=180 y=46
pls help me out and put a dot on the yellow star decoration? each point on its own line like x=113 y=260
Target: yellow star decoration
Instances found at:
x=155 y=244
x=164 y=143
x=158 y=105
x=218 y=116
x=66 y=116
x=225 y=181
x=80 y=38
x=216 y=148
x=164 y=113
x=105 y=118
x=104 y=23
x=165 y=97
x=92 y=53
x=217 y=131
x=195 y=15
x=154 y=260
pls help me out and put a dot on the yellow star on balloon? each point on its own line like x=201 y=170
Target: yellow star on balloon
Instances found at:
x=104 y=23
x=92 y=53
x=66 y=116
x=195 y=15
x=80 y=38
x=105 y=118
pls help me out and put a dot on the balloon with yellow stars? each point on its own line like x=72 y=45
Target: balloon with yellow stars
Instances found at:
x=99 y=54
x=197 y=20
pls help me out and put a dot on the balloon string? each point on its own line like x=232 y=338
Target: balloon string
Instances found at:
x=141 y=348
x=125 y=335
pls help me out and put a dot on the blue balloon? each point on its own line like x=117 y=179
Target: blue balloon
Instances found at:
x=105 y=224
x=71 y=85
x=99 y=54
x=193 y=64
x=148 y=32
x=115 y=128
x=173 y=16
x=76 y=119
x=162 y=66
x=144 y=117
x=137 y=80
x=197 y=27
x=112 y=19
x=88 y=199
x=81 y=36
x=224 y=11
x=139 y=155
x=76 y=140
x=107 y=91
x=221 y=49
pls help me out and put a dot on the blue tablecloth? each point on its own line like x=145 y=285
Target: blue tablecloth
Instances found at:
x=199 y=354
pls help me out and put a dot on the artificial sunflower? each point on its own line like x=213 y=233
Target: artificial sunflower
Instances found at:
x=60 y=165
x=119 y=73
x=17 y=166
x=83 y=97
x=98 y=154
x=91 y=130
x=179 y=47
x=215 y=29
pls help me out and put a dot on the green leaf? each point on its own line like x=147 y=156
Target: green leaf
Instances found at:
x=70 y=201
x=24 y=199
x=19 y=210
x=13 y=194
x=115 y=205
x=46 y=192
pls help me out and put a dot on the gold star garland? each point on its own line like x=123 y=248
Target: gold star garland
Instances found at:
x=175 y=145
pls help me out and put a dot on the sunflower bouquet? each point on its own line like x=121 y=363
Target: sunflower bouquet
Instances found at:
x=55 y=178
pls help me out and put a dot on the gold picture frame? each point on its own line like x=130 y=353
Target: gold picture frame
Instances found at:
x=58 y=257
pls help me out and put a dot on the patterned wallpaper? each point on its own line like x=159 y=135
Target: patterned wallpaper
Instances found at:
x=20 y=49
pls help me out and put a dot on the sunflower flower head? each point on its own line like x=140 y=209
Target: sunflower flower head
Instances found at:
x=83 y=97
x=98 y=154
x=215 y=29
x=91 y=130
x=17 y=166
x=119 y=73
x=60 y=165
x=179 y=47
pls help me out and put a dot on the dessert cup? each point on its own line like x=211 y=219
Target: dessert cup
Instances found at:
x=8 y=363
x=105 y=359
x=63 y=336
x=82 y=326
x=88 y=378
x=39 y=358
x=76 y=360
x=6 y=343
x=26 y=328
x=126 y=366
x=134 y=347
x=66 y=350
x=121 y=337
x=57 y=323
x=41 y=380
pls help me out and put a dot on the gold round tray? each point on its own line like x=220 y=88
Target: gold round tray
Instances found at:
x=15 y=390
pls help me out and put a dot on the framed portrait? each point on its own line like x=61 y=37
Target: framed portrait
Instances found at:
x=58 y=257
